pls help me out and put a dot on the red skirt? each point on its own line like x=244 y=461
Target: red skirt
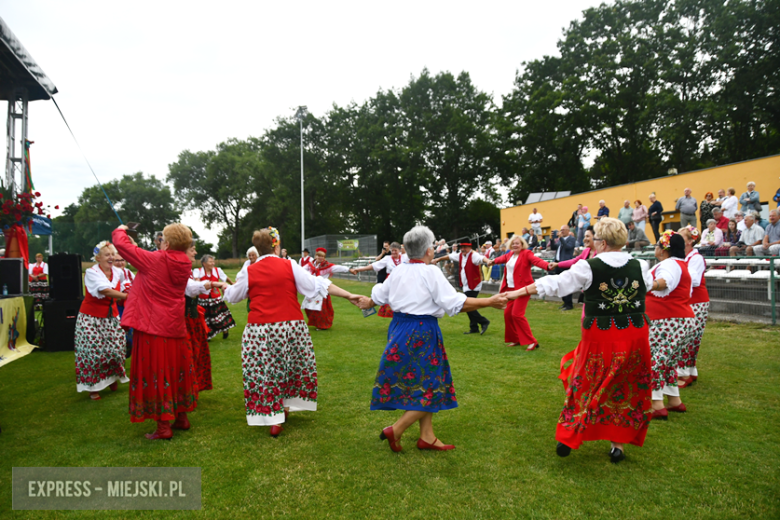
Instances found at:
x=322 y=319
x=607 y=387
x=162 y=378
x=201 y=356
x=385 y=311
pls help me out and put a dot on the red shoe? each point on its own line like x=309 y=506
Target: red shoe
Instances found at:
x=276 y=430
x=114 y=386
x=684 y=382
x=163 y=432
x=388 y=434
x=286 y=414
x=680 y=408
x=532 y=346
x=422 y=445
x=661 y=414
x=182 y=423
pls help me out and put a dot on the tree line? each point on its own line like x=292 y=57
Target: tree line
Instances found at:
x=639 y=87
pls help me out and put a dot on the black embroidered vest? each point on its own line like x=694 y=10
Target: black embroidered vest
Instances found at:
x=616 y=294
x=191 y=307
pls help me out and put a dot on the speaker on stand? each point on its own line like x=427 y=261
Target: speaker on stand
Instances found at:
x=65 y=277
x=13 y=277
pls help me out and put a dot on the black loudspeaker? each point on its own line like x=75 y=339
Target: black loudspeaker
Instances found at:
x=65 y=277
x=13 y=276
x=59 y=324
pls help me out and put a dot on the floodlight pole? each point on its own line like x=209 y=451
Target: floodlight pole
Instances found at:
x=300 y=115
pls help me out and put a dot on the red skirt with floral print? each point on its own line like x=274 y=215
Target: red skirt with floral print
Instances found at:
x=162 y=378
x=607 y=387
x=322 y=319
x=201 y=355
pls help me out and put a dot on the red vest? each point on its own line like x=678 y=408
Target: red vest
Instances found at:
x=104 y=307
x=213 y=277
x=675 y=305
x=272 y=293
x=700 y=293
x=38 y=270
x=472 y=272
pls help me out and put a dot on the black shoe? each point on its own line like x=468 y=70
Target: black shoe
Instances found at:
x=471 y=332
x=225 y=335
x=616 y=455
x=484 y=328
x=566 y=308
x=562 y=450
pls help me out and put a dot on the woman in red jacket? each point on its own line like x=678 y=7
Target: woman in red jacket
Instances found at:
x=518 y=262
x=162 y=377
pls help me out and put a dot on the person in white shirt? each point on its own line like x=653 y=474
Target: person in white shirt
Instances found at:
x=252 y=256
x=388 y=263
x=535 y=219
x=320 y=310
x=470 y=280
x=753 y=235
x=414 y=373
x=729 y=204
x=38 y=279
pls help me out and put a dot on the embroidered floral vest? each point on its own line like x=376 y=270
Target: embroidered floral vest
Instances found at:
x=191 y=307
x=616 y=295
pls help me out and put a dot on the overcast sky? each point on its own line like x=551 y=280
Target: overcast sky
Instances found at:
x=140 y=82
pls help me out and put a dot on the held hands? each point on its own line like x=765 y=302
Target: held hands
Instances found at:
x=364 y=302
x=353 y=272
x=354 y=299
x=552 y=265
x=499 y=301
x=513 y=295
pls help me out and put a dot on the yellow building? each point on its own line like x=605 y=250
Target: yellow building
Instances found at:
x=764 y=172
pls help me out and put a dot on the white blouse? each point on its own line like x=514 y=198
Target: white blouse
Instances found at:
x=244 y=267
x=696 y=267
x=306 y=284
x=579 y=277
x=387 y=263
x=670 y=271
x=510 y=271
x=33 y=264
x=195 y=288
x=325 y=273
x=95 y=280
x=201 y=272
x=419 y=289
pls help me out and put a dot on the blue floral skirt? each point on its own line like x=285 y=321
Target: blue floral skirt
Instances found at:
x=414 y=373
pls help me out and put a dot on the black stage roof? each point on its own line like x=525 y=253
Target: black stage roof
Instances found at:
x=19 y=70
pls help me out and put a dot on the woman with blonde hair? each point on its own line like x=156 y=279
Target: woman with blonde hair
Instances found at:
x=100 y=341
x=218 y=316
x=163 y=383
x=640 y=214
x=518 y=263
x=278 y=362
x=607 y=382
x=38 y=279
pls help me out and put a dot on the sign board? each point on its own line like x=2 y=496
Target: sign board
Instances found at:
x=348 y=245
x=41 y=225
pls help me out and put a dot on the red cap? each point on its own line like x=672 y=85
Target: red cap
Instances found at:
x=321 y=249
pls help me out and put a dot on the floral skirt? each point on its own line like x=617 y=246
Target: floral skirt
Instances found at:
x=322 y=319
x=162 y=378
x=669 y=338
x=280 y=371
x=607 y=387
x=385 y=311
x=100 y=353
x=691 y=352
x=218 y=317
x=414 y=373
x=40 y=291
x=201 y=355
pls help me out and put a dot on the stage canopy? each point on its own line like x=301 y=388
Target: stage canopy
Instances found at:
x=19 y=70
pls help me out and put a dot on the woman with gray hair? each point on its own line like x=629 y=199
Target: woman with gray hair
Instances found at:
x=414 y=373
x=218 y=316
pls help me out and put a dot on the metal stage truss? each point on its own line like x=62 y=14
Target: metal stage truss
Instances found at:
x=21 y=81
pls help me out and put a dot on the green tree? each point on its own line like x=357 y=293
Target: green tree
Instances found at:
x=218 y=184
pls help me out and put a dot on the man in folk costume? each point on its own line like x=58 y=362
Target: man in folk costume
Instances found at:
x=319 y=309
x=305 y=258
x=470 y=280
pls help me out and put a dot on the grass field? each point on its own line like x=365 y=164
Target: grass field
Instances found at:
x=720 y=460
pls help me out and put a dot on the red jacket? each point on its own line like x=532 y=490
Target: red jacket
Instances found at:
x=522 y=271
x=156 y=303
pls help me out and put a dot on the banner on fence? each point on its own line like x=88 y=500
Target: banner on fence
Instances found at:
x=348 y=245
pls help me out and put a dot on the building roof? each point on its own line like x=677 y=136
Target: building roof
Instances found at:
x=19 y=70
